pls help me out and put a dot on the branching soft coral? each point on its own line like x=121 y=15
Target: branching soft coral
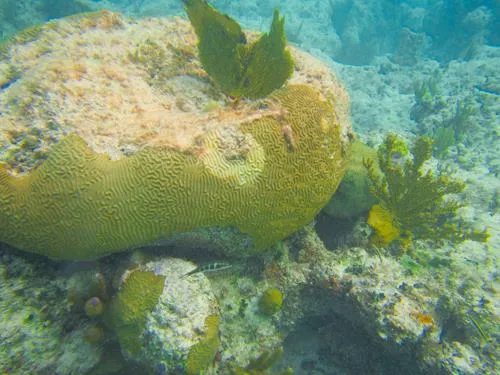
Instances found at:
x=413 y=201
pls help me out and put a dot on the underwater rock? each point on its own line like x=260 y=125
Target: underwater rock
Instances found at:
x=165 y=319
x=41 y=330
x=372 y=312
x=353 y=197
x=114 y=138
x=409 y=48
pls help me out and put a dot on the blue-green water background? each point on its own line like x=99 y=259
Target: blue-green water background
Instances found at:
x=420 y=38
x=351 y=32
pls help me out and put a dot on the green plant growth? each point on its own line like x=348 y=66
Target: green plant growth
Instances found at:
x=201 y=355
x=413 y=201
x=427 y=99
x=241 y=70
x=8 y=75
x=444 y=138
x=462 y=122
x=271 y=301
x=21 y=37
x=151 y=57
x=128 y=311
x=455 y=129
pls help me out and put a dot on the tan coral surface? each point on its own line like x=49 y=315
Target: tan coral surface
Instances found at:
x=154 y=148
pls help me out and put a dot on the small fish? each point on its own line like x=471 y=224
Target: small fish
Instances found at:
x=209 y=267
x=476 y=324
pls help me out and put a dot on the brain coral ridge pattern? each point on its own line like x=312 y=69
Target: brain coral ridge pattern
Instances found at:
x=78 y=204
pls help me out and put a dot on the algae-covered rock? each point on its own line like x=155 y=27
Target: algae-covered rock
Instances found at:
x=166 y=319
x=41 y=331
x=137 y=297
x=106 y=150
x=270 y=302
x=202 y=354
x=353 y=196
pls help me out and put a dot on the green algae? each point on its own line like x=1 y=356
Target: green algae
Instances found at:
x=127 y=314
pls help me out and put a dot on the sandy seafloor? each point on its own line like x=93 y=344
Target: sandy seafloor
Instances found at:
x=381 y=87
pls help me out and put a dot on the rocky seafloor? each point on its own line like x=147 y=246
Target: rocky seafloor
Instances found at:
x=345 y=311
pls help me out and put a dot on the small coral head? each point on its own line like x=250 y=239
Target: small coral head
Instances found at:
x=94 y=307
x=271 y=301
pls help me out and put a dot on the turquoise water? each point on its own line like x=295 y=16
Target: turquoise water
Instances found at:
x=410 y=286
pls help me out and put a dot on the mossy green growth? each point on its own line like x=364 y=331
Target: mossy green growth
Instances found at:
x=271 y=301
x=410 y=265
x=127 y=313
x=151 y=56
x=456 y=129
x=22 y=37
x=415 y=199
x=8 y=75
x=353 y=196
x=427 y=99
x=462 y=121
x=444 y=137
x=266 y=360
x=240 y=69
x=202 y=354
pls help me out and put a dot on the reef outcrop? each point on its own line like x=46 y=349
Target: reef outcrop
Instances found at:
x=114 y=137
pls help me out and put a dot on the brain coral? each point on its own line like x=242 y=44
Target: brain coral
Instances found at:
x=108 y=147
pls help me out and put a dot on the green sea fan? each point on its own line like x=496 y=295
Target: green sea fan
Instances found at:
x=240 y=69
